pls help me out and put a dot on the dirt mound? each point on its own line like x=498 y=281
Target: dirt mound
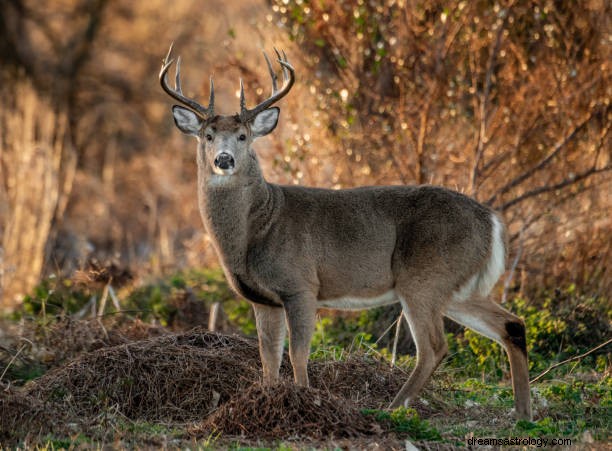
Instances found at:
x=173 y=377
x=23 y=414
x=196 y=376
x=369 y=382
x=69 y=338
x=287 y=411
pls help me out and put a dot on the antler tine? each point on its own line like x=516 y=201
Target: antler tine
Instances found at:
x=288 y=80
x=177 y=76
x=211 y=97
x=272 y=74
x=242 y=98
x=167 y=58
x=282 y=60
x=177 y=93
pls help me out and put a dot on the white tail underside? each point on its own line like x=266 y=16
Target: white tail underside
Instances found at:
x=483 y=282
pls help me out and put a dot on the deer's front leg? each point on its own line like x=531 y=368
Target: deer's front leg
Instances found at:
x=300 y=311
x=270 y=323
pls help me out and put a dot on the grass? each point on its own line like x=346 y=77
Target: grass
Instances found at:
x=469 y=396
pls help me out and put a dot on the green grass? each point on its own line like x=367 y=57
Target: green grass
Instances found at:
x=406 y=421
x=566 y=408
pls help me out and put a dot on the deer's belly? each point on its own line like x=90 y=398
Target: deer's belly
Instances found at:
x=360 y=303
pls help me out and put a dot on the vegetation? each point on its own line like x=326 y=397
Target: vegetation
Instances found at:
x=469 y=396
x=101 y=244
x=507 y=101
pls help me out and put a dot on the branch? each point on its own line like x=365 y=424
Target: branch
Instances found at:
x=572 y=359
x=548 y=188
x=544 y=161
x=534 y=218
x=517 y=258
x=480 y=145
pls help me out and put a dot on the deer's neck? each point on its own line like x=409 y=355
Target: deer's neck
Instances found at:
x=236 y=212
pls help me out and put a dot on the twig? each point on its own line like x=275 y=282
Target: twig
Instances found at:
x=114 y=297
x=482 y=131
x=103 y=301
x=213 y=316
x=572 y=359
x=396 y=339
x=15 y=357
x=548 y=188
x=559 y=146
x=515 y=262
x=387 y=330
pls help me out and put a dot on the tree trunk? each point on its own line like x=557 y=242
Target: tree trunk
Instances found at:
x=37 y=165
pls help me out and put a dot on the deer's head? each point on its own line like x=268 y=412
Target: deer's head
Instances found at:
x=225 y=141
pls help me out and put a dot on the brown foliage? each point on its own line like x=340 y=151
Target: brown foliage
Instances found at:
x=172 y=377
x=197 y=376
x=507 y=101
x=69 y=338
x=286 y=410
x=368 y=382
x=24 y=415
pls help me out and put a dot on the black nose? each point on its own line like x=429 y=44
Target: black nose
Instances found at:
x=224 y=161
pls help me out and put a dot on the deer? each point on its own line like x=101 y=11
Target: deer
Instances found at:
x=290 y=250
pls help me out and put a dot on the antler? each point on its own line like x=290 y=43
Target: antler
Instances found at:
x=177 y=92
x=288 y=79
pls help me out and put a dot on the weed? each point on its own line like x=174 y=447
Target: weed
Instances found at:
x=406 y=420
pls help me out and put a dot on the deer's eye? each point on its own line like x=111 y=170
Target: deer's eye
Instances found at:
x=242 y=137
x=209 y=137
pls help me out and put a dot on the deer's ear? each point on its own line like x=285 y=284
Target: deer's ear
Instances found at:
x=186 y=120
x=265 y=122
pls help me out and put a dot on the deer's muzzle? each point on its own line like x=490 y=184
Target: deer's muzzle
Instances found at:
x=224 y=161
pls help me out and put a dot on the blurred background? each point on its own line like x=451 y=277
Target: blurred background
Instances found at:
x=507 y=101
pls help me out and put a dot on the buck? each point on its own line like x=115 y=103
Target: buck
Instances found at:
x=290 y=250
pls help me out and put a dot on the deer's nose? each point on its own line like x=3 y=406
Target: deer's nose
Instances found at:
x=224 y=161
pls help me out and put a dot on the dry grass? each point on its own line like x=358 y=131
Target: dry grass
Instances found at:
x=68 y=338
x=135 y=385
x=23 y=415
x=168 y=378
x=286 y=411
x=210 y=380
x=368 y=382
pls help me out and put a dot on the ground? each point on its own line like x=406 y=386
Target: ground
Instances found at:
x=129 y=384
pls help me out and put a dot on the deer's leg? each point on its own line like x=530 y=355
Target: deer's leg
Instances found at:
x=270 y=323
x=300 y=312
x=493 y=321
x=427 y=329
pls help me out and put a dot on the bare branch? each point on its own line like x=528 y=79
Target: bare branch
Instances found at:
x=533 y=219
x=481 y=144
x=546 y=160
x=548 y=188
x=572 y=359
x=515 y=262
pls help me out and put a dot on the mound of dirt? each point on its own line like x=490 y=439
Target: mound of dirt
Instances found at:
x=23 y=414
x=287 y=411
x=368 y=382
x=197 y=376
x=172 y=377
x=69 y=338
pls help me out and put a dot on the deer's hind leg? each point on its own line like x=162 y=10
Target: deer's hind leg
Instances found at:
x=427 y=329
x=495 y=322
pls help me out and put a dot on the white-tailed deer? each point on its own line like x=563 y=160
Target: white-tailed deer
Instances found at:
x=290 y=250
